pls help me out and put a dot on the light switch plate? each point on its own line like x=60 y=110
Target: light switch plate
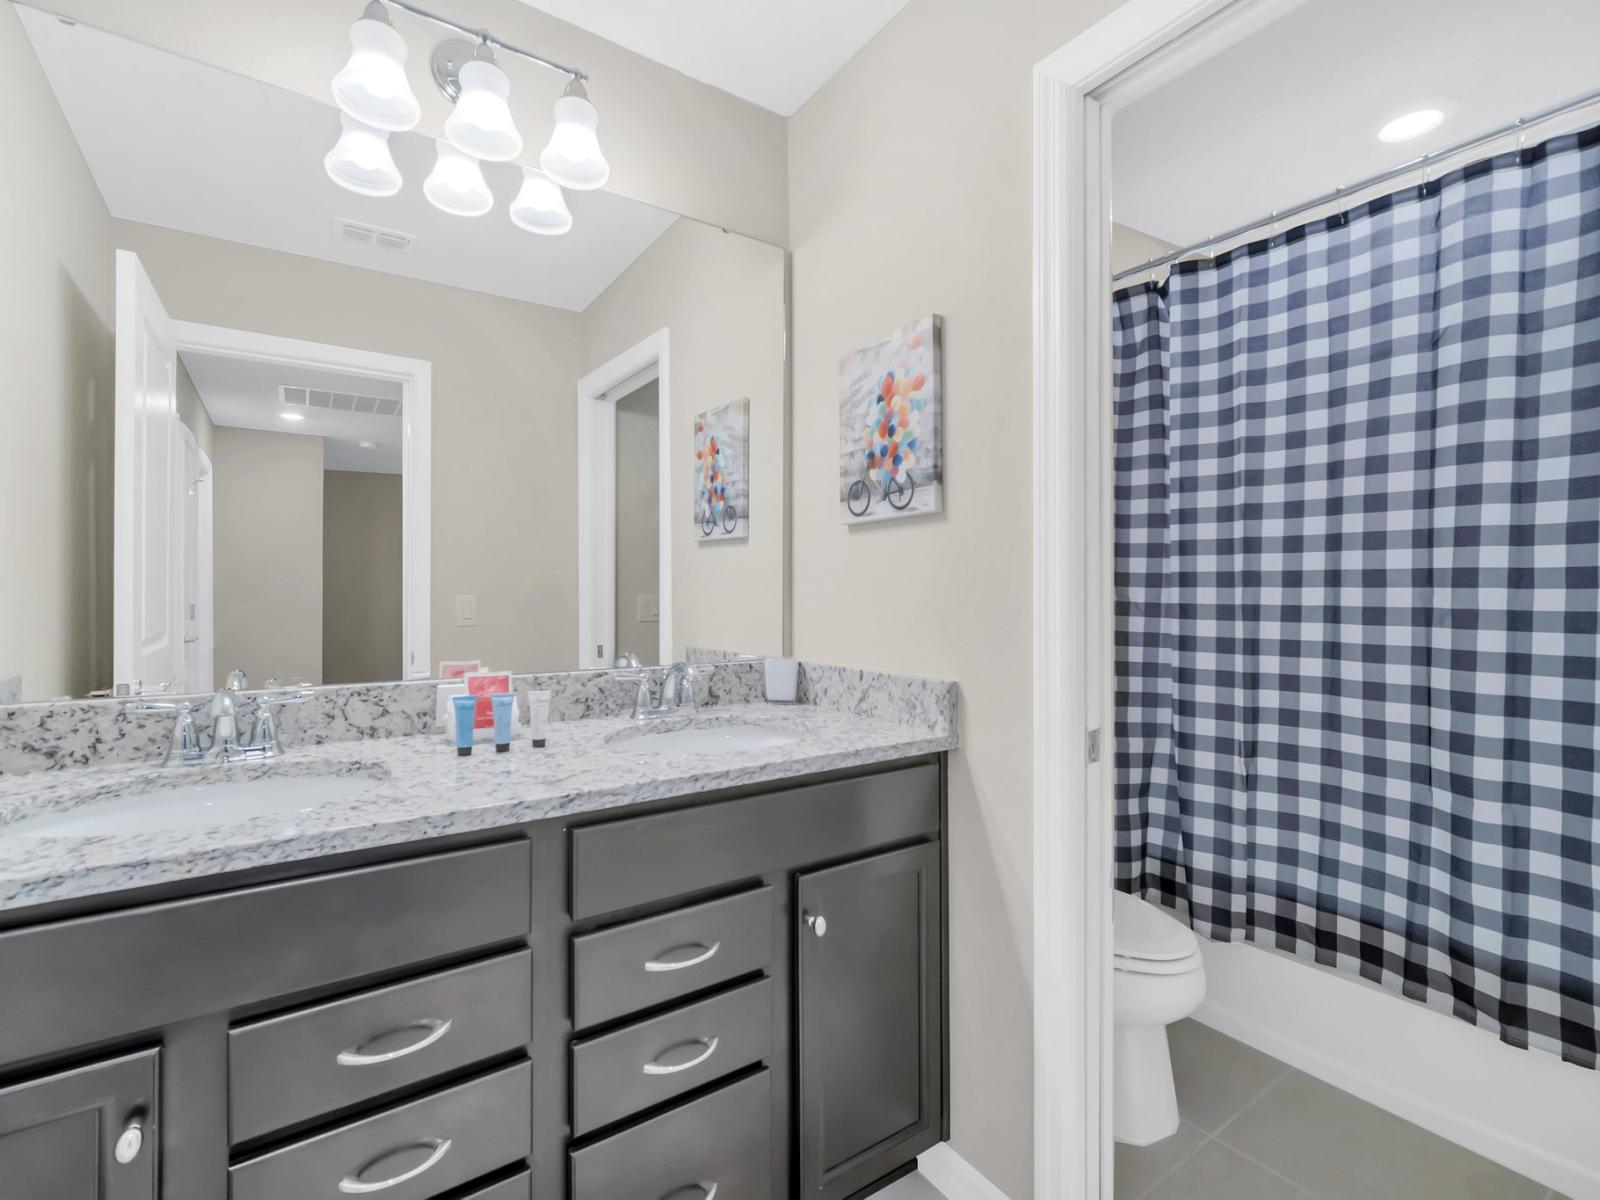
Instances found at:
x=647 y=608
x=466 y=610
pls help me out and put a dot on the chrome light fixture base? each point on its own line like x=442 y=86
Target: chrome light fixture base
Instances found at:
x=449 y=56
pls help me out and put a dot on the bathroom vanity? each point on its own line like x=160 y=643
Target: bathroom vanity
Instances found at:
x=736 y=991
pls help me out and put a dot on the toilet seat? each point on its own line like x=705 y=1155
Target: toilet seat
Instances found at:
x=1147 y=940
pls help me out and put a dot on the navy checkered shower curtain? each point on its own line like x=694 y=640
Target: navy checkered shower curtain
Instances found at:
x=1357 y=537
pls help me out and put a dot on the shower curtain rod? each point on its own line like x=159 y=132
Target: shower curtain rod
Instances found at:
x=1340 y=193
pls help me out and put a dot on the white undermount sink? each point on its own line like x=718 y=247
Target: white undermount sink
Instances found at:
x=200 y=805
x=709 y=739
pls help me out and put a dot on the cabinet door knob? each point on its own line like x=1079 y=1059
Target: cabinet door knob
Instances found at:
x=818 y=923
x=131 y=1140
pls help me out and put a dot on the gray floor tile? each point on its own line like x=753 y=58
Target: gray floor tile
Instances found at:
x=1217 y=1077
x=1340 y=1148
x=910 y=1187
x=1140 y=1168
x=1218 y=1173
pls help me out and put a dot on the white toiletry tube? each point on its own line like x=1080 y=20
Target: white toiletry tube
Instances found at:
x=539 y=715
x=783 y=680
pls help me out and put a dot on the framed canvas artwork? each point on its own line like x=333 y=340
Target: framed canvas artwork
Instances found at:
x=890 y=438
x=722 y=473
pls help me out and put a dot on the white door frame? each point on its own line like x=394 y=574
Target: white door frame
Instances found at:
x=598 y=392
x=1135 y=48
x=415 y=377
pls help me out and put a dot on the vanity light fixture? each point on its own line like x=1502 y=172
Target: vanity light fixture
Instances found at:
x=540 y=207
x=573 y=157
x=456 y=184
x=360 y=161
x=372 y=86
x=375 y=99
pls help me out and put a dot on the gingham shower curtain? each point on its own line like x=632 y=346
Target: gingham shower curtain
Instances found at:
x=1357 y=537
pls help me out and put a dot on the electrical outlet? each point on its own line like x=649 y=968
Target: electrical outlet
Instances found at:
x=647 y=608
x=466 y=610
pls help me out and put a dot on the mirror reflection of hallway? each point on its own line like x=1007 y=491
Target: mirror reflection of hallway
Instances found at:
x=638 y=540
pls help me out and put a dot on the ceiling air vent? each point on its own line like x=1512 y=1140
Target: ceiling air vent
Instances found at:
x=372 y=235
x=382 y=406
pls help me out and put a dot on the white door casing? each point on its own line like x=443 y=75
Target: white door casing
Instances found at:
x=148 y=487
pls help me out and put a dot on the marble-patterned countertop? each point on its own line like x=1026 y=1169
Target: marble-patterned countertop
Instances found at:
x=421 y=789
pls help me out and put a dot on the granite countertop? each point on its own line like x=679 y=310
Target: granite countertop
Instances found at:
x=421 y=789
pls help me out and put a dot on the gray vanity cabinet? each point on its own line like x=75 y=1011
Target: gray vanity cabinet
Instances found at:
x=87 y=1133
x=870 y=1019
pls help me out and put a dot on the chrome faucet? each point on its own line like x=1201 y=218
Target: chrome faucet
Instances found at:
x=677 y=693
x=225 y=746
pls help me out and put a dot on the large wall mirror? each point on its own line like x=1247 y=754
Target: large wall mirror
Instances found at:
x=261 y=422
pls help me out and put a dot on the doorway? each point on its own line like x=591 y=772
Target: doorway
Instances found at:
x=172 y=550
x=615 y=421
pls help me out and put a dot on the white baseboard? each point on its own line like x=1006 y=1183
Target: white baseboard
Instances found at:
x=1538 y=1162
x=955 y=1176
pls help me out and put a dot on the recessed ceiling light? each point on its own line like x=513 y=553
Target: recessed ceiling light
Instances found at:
x=288 y=416
x=368 y=445
x=1412 y=125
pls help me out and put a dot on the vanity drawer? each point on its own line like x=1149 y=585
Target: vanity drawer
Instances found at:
x=302 y=1064
x=639 y=965
x=619 y=864
x=426 y=1147
x=618 y=1074
x=518 y=1187
x=142 y=968
x=720 y=1142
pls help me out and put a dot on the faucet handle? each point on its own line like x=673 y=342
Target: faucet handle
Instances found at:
x=185 y=745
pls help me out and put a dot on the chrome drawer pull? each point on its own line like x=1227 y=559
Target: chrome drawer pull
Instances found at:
x=655 y=1068
x=657 y=965
x=351 y=1186
x=436 y=1030
x=707 y=1190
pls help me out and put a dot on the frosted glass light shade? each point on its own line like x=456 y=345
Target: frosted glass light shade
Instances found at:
x=573 y=157
x=456 y=184
x=540 y=207
x=360 y=160
x=481 y=124
x=372 y=85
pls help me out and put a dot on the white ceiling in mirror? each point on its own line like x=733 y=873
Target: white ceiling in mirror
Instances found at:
x=243 y=393
x=1294 y=111
x=775 y=54
x=176 y=143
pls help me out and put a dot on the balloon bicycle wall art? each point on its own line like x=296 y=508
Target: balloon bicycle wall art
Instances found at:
x=890 y=435
x=722 y=472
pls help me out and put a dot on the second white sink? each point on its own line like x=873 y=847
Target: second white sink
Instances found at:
x=193 y=806
x=709 y=739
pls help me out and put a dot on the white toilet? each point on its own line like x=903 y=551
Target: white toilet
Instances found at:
x=1157 y=979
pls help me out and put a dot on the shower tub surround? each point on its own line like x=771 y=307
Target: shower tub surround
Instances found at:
x=62 y=755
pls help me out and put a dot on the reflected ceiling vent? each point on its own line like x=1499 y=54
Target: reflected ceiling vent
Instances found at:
x=377 y=406
x=372 y=235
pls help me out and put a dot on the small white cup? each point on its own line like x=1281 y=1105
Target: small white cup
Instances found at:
x=783 y=680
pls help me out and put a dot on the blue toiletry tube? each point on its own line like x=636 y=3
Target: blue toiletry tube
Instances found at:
x=466 y=713
x=505 y=708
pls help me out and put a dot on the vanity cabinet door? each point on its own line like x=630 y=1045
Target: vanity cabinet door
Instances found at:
x=870 y=1018
x=87 y=1134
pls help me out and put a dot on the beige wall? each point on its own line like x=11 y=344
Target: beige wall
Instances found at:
x=1130 y=247
x=720 y=298
x=910 y=192
x=57 y=406
x=673 y=142
x=504 y=421
x=362 y=585
x=638 y=521
x=267 y=554
x=192 y=409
